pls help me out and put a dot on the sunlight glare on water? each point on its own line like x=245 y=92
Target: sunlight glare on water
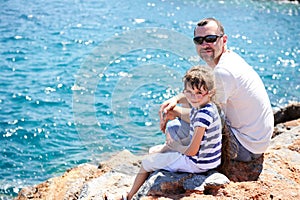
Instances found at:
x=81 y=80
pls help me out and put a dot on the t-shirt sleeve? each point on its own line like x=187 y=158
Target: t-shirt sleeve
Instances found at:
x=203 y=119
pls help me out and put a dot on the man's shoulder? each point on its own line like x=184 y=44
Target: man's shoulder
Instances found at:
x=229 y=59
x=232 y=65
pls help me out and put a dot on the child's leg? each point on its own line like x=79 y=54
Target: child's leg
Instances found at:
x=161 y=148
x=152 y=163
x=138 y=182
x=179 y=131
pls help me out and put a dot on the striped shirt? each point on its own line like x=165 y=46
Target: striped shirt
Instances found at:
x=209 y=154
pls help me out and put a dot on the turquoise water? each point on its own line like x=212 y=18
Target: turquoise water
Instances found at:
x=80 y=80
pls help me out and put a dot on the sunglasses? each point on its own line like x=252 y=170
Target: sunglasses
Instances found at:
x=208 y=38
x=197 y=95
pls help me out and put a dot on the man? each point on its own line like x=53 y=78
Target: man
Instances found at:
x=240 y=92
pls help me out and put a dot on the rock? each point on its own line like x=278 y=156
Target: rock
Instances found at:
x=164 y=183
x=241 y=171
x=286 y=118
x=275 y=175
x=288 y=113
x=68 y=186
x=206 y=183
x=124 y=162
x=280 y=175
x=116 y=181
x=110 y=184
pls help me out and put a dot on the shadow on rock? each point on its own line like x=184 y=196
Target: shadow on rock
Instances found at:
x=245 y=171
x=164 y=183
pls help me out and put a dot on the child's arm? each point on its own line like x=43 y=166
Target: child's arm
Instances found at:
x=193 y=148
x=176 y=111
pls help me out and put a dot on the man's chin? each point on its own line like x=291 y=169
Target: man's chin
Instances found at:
x=207 y=55
x=207 y=59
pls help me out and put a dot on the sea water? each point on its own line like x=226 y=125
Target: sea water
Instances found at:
x=81 y=80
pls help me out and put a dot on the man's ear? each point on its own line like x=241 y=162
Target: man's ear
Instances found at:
x=225 y=37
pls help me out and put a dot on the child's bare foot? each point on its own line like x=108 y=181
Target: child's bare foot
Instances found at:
x=104 y=196
x=128 y=197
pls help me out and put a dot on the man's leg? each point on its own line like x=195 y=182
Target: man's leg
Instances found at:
x=239 y=152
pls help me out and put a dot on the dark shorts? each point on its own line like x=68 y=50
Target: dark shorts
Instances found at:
x=240 y=153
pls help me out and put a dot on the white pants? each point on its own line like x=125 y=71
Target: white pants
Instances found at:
x=170 y=161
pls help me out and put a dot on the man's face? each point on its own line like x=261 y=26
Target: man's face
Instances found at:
x=210 y=52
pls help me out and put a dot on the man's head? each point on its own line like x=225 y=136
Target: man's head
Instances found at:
x=210 y=40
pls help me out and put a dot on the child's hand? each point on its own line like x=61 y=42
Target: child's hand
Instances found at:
x=168 y=105
x=164 y=118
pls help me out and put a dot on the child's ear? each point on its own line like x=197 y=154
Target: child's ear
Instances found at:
x=211 y=93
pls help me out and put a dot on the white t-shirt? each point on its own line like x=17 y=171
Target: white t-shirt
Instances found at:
x=245 y=102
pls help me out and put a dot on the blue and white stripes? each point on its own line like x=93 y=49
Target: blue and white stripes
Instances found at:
x=209 y=154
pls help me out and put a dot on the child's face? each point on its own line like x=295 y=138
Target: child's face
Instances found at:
x=196 y=97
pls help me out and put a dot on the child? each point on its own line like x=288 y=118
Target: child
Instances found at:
x=203 y=151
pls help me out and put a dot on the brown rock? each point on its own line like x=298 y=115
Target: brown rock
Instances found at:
x=68 y=186
x=276 y=175
x=289 y=113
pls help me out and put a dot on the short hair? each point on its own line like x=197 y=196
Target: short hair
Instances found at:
x=205 y=21
x=200 y=76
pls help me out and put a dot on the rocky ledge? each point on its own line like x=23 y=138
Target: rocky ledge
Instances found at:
x=276 y=175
